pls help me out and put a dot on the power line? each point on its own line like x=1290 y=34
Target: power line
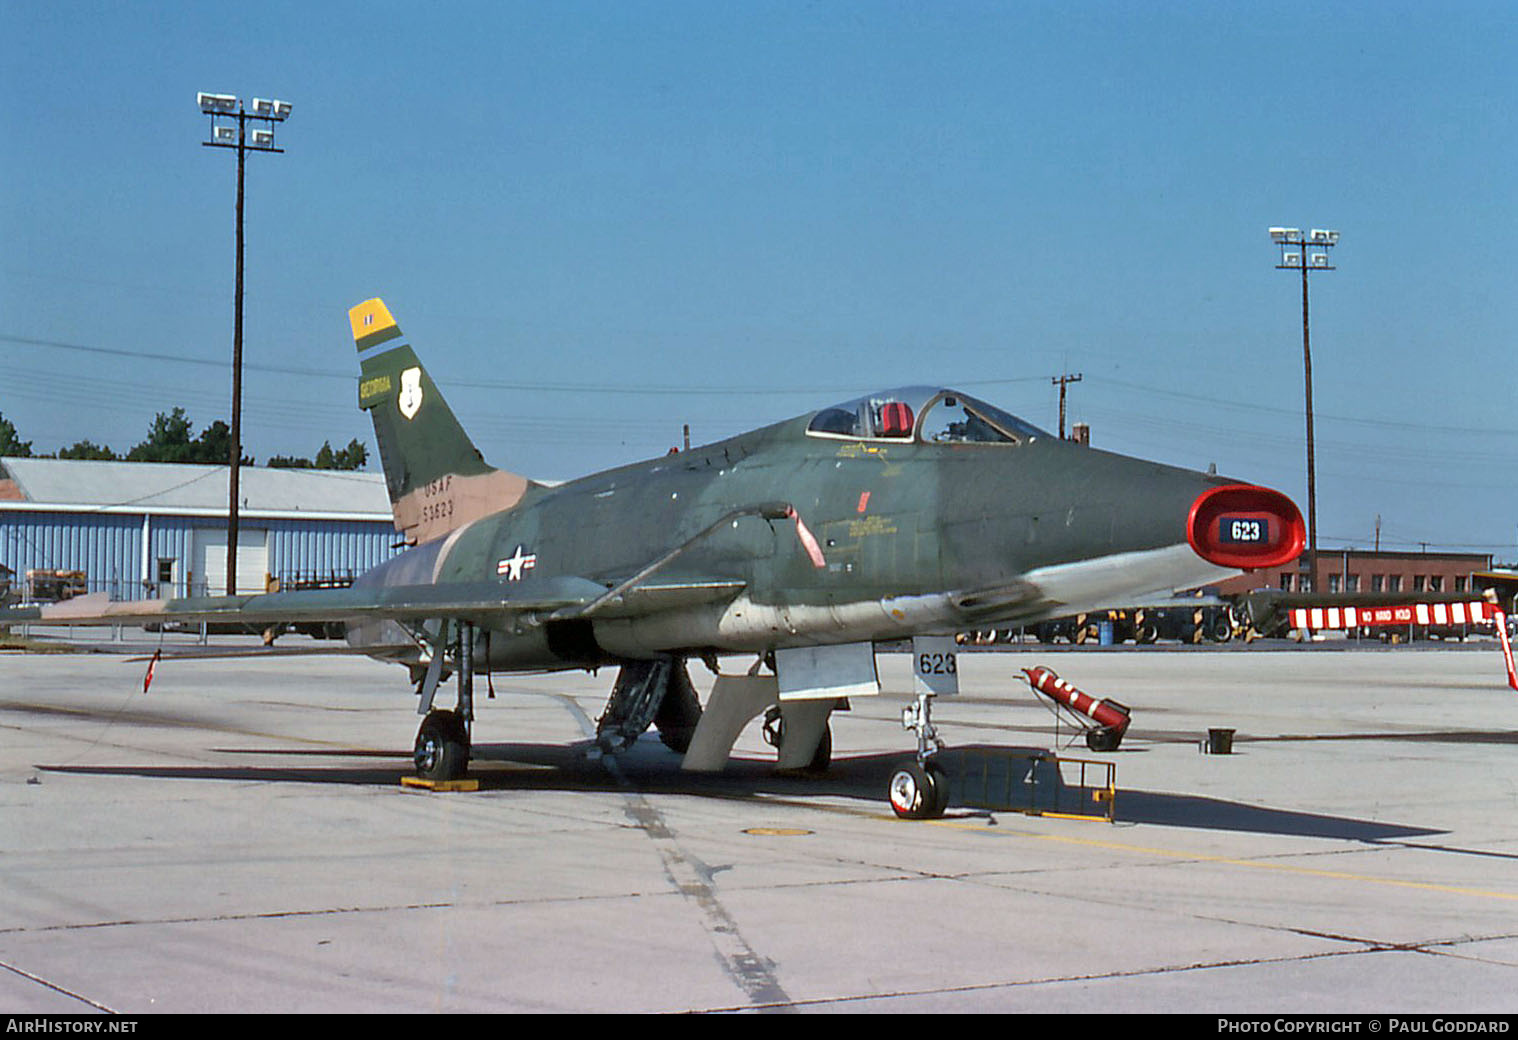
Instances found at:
x=574 y=388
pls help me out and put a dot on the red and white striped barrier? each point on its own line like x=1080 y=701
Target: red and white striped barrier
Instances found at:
x=1461 y=613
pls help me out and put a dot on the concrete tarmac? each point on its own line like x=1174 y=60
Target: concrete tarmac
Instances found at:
x=238 y=840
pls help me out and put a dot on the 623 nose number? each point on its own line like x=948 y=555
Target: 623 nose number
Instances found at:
x=1239 y=529
x=936 y=664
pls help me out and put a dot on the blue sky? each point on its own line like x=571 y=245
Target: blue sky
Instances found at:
x=599 y=221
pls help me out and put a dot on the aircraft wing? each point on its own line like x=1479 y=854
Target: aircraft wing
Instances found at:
x=357 y=603
x=556 y=598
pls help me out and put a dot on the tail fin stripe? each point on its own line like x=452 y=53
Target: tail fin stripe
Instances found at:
x=372 y=325
x=384 y=336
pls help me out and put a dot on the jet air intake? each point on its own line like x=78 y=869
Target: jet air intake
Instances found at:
x=1240 y=525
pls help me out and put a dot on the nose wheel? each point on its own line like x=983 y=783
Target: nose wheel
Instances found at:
x=919 y=791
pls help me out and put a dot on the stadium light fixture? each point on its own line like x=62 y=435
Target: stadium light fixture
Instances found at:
x=1308 y=254
x=229 y=129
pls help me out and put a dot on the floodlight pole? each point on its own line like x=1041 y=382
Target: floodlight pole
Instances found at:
x=234 y=473
x=1312 y=466
x=214 y=106
x=1292 y=238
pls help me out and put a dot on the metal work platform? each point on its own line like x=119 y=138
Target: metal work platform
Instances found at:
x=1037 y=784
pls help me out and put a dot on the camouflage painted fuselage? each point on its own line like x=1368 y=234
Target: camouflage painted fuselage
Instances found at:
x=913 y=536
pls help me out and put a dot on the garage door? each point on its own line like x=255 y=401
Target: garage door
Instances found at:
x=210 y=561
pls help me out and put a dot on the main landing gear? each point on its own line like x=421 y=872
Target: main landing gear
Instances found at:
x=774 y=733
x=442 y=748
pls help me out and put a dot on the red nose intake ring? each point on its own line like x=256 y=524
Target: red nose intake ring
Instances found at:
x=1240 y=525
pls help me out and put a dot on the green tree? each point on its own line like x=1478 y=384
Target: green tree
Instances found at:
x=215 y=444
x=10 y=442
x=354 y=456
x=87 y=450
x=169 y=440
x=350 y=458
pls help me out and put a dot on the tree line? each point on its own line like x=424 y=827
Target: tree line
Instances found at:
x=172 y=438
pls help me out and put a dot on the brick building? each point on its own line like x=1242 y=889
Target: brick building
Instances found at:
x=1364 y=570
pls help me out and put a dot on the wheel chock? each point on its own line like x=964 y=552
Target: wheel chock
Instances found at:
x=466 y=784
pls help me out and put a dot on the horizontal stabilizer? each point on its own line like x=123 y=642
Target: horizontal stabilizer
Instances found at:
x=396 y=603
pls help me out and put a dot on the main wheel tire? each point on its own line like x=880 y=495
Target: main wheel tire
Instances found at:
x=679 y=712
x=442 y=747
x=823 y=756
x=774 y=736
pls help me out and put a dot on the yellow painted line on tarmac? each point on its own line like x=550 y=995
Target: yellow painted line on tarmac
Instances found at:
x=1285 y=868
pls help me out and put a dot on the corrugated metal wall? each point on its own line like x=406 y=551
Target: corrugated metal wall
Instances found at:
x=108 y=547
x=340 y=546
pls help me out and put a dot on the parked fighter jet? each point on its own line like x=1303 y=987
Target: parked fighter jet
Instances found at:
x=901 y=513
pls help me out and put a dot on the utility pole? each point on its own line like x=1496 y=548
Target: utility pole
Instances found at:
x=1060 y=382
x=1295 y=256
x=229 y=129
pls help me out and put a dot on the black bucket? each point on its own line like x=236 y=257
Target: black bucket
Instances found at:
x=1220 y=741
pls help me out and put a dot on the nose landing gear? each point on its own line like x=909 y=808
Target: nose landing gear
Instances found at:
x=919 y=790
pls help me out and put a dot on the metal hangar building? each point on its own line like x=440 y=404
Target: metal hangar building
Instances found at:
x=141 y=530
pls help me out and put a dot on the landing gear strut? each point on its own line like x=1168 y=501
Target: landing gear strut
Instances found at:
x=657 y=693
x=919 y=790
x=442 y=746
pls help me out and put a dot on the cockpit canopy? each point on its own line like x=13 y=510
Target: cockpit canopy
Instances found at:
x=930 y=414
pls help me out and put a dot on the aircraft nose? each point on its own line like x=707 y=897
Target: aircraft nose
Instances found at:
x=1241 y=525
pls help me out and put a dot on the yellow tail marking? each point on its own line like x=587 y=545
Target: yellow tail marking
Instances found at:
x=370 y=317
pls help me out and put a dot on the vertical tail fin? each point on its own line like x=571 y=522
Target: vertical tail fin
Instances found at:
x=437 y=478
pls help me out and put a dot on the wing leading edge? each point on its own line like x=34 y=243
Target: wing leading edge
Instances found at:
x=557 y=598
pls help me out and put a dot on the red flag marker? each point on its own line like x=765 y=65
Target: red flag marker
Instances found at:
x=147 y=680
